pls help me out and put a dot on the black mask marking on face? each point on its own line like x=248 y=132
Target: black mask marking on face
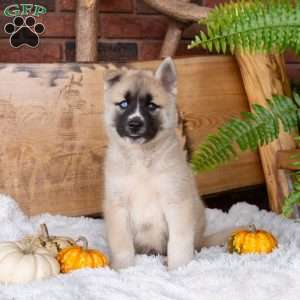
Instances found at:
x=137 y=116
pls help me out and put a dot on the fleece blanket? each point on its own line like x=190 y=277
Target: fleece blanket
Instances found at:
x=213 y=274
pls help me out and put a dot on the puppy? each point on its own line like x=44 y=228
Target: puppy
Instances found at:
x=151 y=201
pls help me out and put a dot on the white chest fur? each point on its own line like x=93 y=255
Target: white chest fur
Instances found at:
x=140 y=181
x=143 y=193
x=147 y=220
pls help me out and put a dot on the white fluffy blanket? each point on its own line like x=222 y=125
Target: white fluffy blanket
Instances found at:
x=213 y=274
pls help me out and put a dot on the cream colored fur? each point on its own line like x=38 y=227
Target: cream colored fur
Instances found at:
x=151 y=199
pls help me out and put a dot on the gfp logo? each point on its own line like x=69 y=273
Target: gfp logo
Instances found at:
x=24 y=30
x=24 y=10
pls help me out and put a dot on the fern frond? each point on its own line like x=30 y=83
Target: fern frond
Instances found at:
x=252 y=26
x=293 y=198
x=254 y=129
x=289 y=203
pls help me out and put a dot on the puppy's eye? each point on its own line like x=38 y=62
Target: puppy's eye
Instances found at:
x=123 y=104
x=152 y=106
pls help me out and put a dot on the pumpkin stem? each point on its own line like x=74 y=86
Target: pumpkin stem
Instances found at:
x=84 y=242
x=44 y=230
x=252 y=228
x=29 y=248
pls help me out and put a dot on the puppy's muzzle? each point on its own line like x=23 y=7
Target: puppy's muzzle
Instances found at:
x=136 y=126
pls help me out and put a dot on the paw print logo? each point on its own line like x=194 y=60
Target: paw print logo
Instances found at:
x=24 y=32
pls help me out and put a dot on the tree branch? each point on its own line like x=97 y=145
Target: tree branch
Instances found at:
x=184 y=12
x=86 y=30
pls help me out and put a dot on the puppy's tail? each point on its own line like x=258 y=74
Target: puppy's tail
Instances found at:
x=219 y=238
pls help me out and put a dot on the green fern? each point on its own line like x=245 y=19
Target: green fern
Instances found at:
x=254 y=129
x=293 y=198
x=252 y=26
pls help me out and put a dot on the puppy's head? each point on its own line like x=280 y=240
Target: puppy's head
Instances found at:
x=140 y=105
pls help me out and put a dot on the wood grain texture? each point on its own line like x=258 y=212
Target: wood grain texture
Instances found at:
x=285 y=159
x=53 y=141
x=265 y=76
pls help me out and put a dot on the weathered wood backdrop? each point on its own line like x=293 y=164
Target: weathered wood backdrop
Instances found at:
x=53 y=141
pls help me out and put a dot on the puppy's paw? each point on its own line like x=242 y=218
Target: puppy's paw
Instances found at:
x=180 y=252
x=122 y=261
x=164 y=260
x=179 y=261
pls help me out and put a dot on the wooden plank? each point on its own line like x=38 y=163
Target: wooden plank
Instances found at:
x=265 y=76
x=285 y=159
x=53 y=141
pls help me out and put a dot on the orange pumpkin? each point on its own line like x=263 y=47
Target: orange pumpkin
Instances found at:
x=252 y=241
x=77 y=257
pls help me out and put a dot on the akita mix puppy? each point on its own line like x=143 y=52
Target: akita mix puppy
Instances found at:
x=151 y=204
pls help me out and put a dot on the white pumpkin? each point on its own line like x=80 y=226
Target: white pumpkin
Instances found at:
x=51 y=242
x=20 y=264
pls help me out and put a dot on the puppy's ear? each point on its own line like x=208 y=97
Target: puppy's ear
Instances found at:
x=112 y=75
x=166 y=74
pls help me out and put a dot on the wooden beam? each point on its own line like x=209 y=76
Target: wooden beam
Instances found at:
x=86 y=30
x=265 y=76
x=285 y=159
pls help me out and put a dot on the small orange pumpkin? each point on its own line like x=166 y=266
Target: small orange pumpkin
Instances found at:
x=77 y=257
x=252 y=241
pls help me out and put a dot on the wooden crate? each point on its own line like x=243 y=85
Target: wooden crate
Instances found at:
x=53 y=141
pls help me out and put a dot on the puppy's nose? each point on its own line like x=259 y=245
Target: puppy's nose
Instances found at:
x=135 y=124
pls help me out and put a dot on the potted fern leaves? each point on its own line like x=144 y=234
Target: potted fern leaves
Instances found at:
x=253 y=26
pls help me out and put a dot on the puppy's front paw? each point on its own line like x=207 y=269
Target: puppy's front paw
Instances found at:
x=122 y=261
x=179 y=258
x=177 y=264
